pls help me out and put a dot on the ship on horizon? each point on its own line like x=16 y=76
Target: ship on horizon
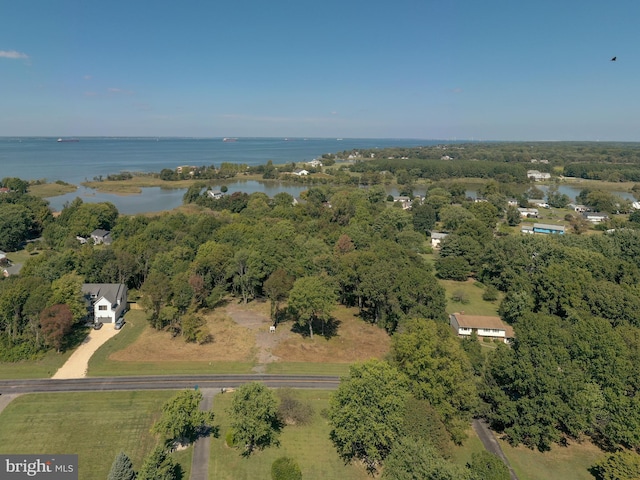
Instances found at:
x=68 y=140
x=229 y=139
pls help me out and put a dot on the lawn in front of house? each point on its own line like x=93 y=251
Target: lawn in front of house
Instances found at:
x=473 y=303
x=309 y=445
x=94 y=425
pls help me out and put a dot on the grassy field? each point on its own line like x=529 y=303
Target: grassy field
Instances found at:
x=44 y=367
x=46 y=190
x=96 y=426
x=102 y=363
x=308 y=445
x=562 y=463
x=473 y=291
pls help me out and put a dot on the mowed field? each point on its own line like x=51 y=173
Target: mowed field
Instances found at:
x=96 y=426
x=241 y=344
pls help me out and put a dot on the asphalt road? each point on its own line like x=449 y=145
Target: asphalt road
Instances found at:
x=168 y=382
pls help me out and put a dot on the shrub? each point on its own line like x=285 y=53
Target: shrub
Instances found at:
x=460 y=296
x=228 y=438
x=291 y=410
x=490 y=294
x=285 y=468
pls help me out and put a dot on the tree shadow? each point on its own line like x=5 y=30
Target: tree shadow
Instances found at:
x=75 y=337
x=327 y=329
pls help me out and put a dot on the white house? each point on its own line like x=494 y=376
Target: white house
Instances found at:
x=595 y=217
x=215 y=194
x=315 y=163
x=101 y=236
x=538 y=176
x=538 y=202
x=300 y=173
x=436 y=238
x=483 y=326
x=404 y=201
x=528 y=212
x=105 y=301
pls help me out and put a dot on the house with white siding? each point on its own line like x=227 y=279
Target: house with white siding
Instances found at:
x=106 y=302
x=483 y=326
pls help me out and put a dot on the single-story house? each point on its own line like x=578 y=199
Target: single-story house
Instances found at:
x=526 y=229
x=300 y=172
x=483 y=326
x=546 y=228
x=215 y=194
x=528 y=212
x=512 y=202
x=101 y=236
x=315 y=163
x=404 y=201
x=595 y=217
x=436 y=238
x=106 y=302
x=538 y=202
x=538 y=176
x=578 y=208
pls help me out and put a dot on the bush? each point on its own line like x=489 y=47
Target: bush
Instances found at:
x=285 y=468
x=229 y=440
x=460 y=296
x=490 y=294
x=291 y=410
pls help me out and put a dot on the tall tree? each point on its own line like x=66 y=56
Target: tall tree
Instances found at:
x=277 y=286
x=159 y=466
x=181 y=419
x=367 y=411
x=254 y=417
x=312 y=298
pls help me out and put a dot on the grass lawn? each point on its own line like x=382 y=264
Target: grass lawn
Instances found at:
x=566 y=463
x=102 y=365
x=308 y=445
x=44 y=367
x=46 y=190
x=462 y=453
x=473 y=292
x=96 y=426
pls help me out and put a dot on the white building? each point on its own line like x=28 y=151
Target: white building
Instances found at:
x=538 y=176
x=106 y=301
x=483 y=326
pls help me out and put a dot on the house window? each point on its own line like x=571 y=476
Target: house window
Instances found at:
x=102 y=307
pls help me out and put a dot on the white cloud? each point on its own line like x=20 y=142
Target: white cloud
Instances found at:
x=12 y=54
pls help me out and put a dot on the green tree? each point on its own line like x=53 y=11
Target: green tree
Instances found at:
x=486 y=466
x=285 y=468
x=423 y=424
x=513 y=216
x=432 y=358
x=424 y=217
x=312 y=298
x=413 y=460
x=277 y=286
x=67 y=290
x=122 y=468
x=181 y=419
x=159 y=466
x=254 y=418
x=367 y=411
x=15 y=223
x=622 y=465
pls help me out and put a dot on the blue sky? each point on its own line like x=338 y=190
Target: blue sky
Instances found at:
x=492 y=70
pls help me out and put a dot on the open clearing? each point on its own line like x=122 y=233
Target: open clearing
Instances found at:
x=242 y=343
x=96 y=426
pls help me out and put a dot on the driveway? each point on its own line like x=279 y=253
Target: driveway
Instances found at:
x=78 y=363
x=491 y=444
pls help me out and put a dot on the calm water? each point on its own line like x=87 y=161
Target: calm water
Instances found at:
x=32 y=158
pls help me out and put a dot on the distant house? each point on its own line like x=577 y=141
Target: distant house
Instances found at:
x=538 y=202
x=436 y=238
x=404 y=201
x=106 y=302
x=483 y=326
x=215 y=194
x=101 y=236
x=578 y=208
x=548 y=229
x=537 y=176
x=512 y=202
x=315 y=163
x=595 y=217
x=186 y=168
x=300 y=172
x=528 y=212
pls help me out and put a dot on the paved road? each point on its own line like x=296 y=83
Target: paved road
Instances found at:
x=491 y=444
x=202 y=446
x=164 y=382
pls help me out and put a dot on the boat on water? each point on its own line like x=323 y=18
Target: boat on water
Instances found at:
x=229 y=139
x=68 y=140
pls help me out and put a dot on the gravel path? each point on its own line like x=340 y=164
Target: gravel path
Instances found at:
x=76 y=366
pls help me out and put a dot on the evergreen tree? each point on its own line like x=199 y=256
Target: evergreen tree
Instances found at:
x=122 y=468
x=159 y=466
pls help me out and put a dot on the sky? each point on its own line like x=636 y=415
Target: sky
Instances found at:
x=445 y=69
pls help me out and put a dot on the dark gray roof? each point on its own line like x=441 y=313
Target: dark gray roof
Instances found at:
x=111 y=291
